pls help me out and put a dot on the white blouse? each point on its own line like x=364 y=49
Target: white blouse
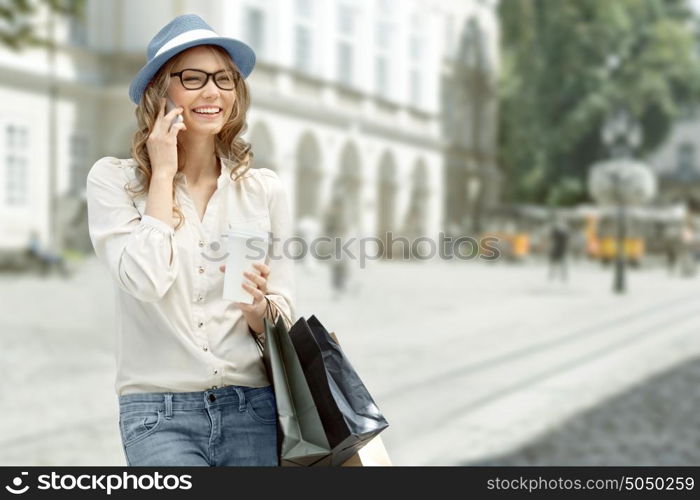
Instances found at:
x=175 y=332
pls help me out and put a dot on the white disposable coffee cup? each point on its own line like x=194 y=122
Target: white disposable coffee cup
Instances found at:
x=245 y=247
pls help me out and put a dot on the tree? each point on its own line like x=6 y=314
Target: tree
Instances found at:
x=17 y=28
x=566 y=65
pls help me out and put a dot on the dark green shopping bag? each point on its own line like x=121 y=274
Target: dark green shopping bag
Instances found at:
x=301 y=437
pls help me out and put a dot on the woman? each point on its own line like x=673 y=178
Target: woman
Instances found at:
x=191 y=384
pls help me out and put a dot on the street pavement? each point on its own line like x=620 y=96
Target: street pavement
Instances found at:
x=471 y=363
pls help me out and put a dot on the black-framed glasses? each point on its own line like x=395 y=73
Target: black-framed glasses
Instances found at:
x=195 y=79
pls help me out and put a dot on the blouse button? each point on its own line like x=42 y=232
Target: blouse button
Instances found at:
x=205 y=348
x=201 y=243
x=201 y=324
x=201 y=269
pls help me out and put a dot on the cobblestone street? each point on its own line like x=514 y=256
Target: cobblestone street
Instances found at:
x=471 y=364
x=655 y=423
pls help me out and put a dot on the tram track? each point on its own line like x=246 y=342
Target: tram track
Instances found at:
x=452 y=394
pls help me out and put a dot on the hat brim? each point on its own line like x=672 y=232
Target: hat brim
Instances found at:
x=241 y=54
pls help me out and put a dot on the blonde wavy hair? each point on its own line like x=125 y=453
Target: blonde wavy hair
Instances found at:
x=228 y=143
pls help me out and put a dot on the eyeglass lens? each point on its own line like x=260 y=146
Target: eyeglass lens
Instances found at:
x=193 y=79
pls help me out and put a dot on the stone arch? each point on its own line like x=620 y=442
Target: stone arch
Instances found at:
x=415 y=223
x=387 y=187
x=308 y=176
x=347 y=183
x=263 y=147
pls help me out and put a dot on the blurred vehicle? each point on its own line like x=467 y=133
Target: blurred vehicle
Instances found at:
x=633 y=250
x=512 y=246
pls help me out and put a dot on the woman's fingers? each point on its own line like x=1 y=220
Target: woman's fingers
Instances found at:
x=257 y=294
x=173 y=113
x=255 y=278
x=166 y=120
x=257 y=281
x=265 y=270
x=175 y=128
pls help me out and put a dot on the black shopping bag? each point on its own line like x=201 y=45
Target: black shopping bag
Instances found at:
x=349 y=415
x=301 y=435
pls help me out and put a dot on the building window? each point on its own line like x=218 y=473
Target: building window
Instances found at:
x=302 y=54
x=416 y=42
x=383 y=34
x=383 y=38
x=474 y=49
x=381 y=75
x=16 y=165
x=346 y=19
x=303 y=36
x=415 y=87
x=255 y=29
x=78 y=164
x=416 y=47
x=346 y=43
x=345 y=54
x=449 y=41
x=304 y=9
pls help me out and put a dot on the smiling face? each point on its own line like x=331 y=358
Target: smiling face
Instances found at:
x=206 y=98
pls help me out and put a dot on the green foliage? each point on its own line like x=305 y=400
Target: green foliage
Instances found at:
x=18 y=20
x=566 y=65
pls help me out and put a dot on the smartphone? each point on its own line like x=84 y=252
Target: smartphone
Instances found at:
x=169 y=106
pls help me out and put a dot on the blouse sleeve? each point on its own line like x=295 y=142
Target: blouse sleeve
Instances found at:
x=280 y=282
x=139 y=252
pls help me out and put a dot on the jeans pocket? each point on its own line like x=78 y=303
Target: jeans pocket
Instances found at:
x=263 y=408
x=135 y=426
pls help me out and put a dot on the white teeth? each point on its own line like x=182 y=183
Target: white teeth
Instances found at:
x=207 y=110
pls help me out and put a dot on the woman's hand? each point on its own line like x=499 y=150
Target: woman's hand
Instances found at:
x=162 y=143
x=257 y=287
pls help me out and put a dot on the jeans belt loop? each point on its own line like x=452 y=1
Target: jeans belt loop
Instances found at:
x=241 y=398
x=168 y=406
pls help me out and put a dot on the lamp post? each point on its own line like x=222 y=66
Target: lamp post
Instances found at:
x=621 y=181
x=619 y=281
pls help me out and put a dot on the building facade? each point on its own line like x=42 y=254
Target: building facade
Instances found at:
x=676 y=163
x=388 y=105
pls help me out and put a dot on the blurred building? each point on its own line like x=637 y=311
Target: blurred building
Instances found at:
x=388 y=104
x=676 y=162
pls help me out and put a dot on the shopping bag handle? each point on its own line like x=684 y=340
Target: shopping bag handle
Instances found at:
x=268 y=315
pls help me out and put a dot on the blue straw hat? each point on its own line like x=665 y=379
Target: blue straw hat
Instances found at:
x=181 y=33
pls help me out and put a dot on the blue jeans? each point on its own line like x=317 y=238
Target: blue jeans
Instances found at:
x=230 y=425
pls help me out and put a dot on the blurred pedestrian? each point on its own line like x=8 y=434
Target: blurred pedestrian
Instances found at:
x=558 y=241
x=308 y=230
x=672 y=247
x=687 y=257
x=44 y=257
x=336 y=226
